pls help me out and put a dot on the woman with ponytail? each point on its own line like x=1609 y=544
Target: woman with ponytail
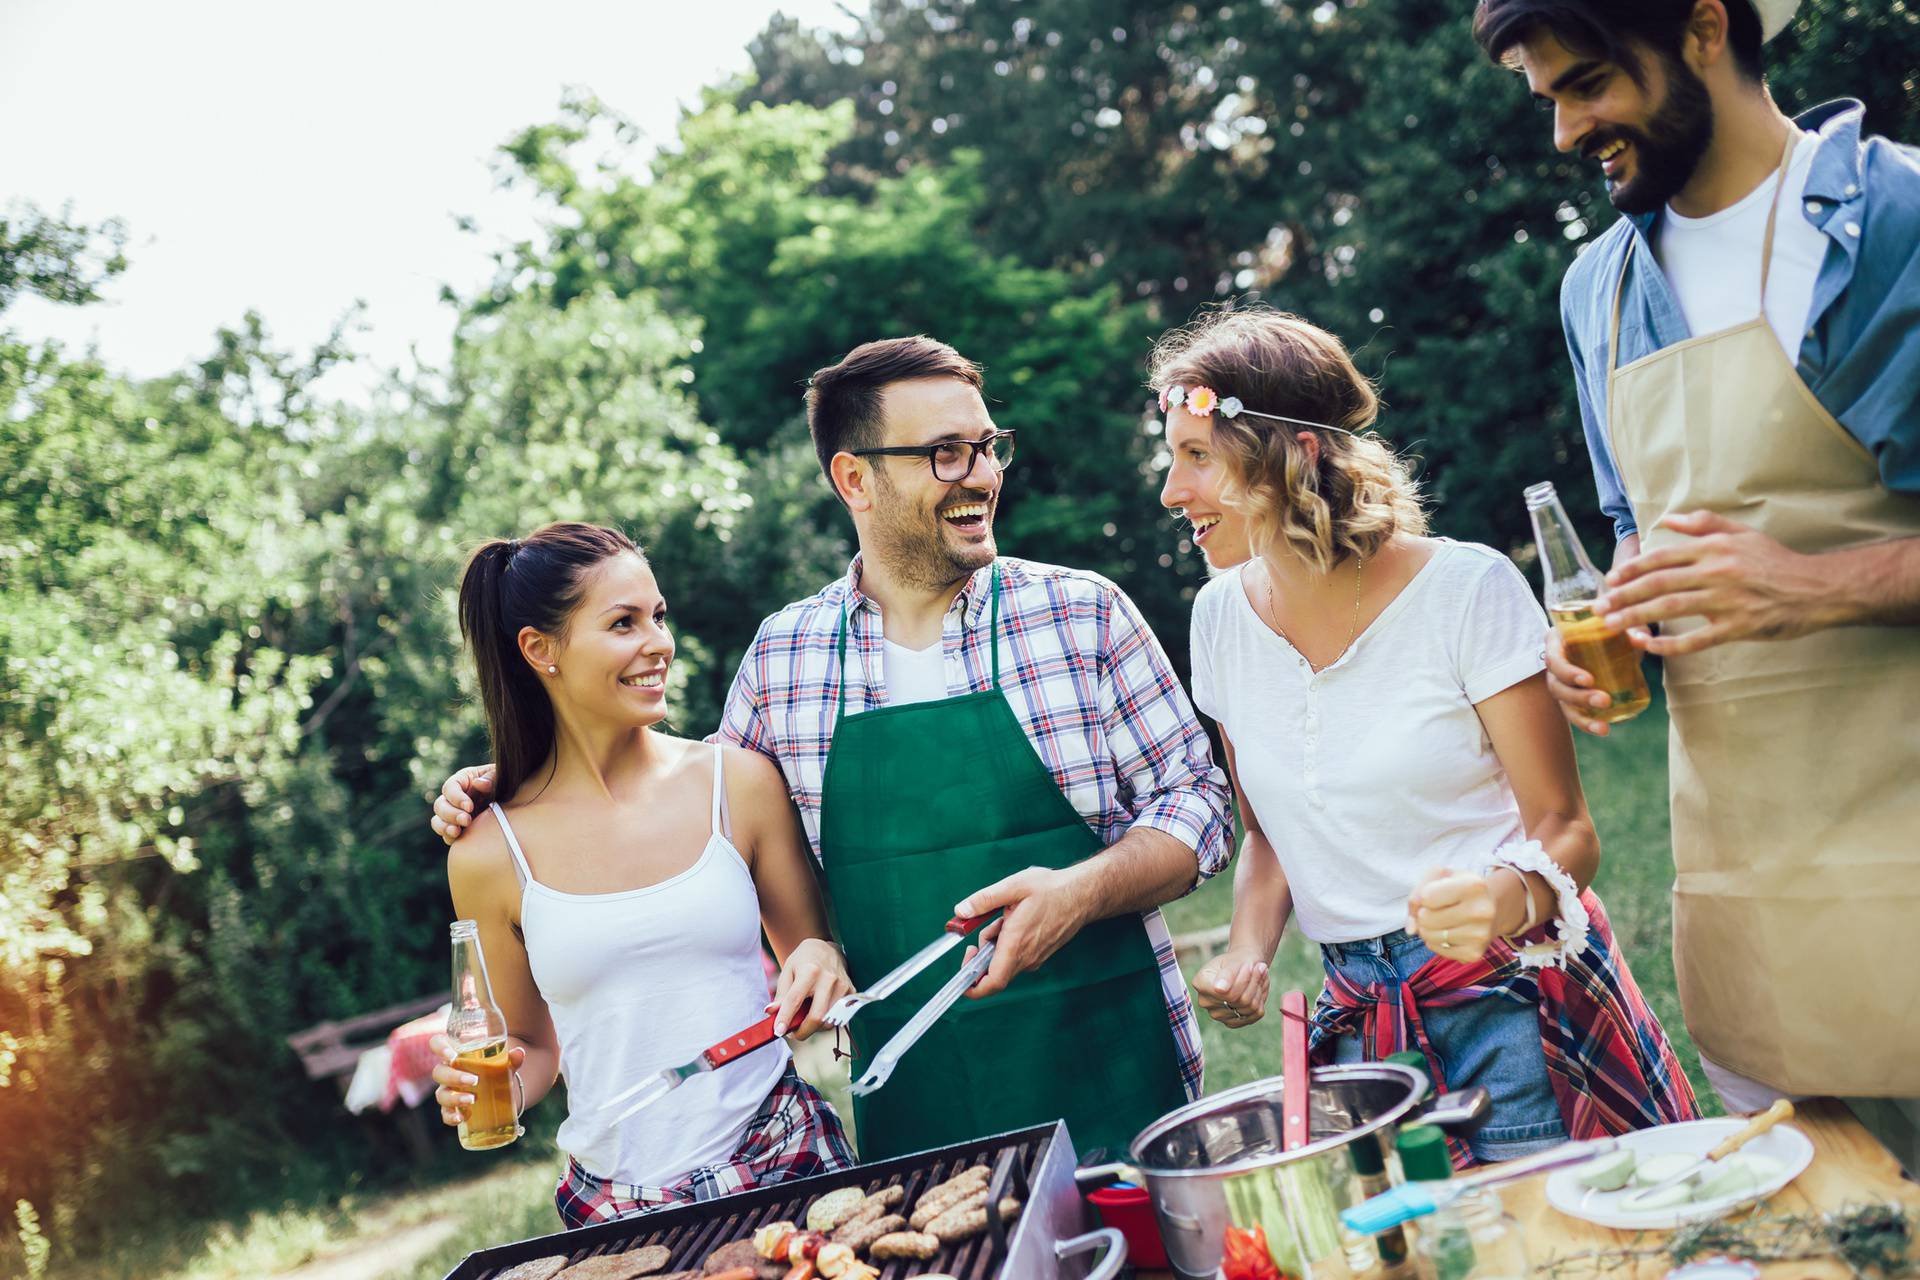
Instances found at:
x=621 y=886
x=1407 y=785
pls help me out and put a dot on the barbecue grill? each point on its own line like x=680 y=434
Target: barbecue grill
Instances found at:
x=1054 y=1235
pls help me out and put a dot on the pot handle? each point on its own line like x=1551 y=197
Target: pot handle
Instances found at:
x=1110 y=1262
x=1460 y=1112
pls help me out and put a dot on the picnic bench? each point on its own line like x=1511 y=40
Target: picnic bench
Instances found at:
x=332 y=1050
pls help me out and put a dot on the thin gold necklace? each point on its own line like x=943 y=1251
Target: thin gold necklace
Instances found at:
x=1353 y=631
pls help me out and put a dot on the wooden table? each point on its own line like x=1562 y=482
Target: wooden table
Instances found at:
x=1849 y=1167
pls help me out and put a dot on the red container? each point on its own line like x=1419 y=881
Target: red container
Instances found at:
x=1129 y=1210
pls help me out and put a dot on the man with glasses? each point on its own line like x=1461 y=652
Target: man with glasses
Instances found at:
x=968 y=734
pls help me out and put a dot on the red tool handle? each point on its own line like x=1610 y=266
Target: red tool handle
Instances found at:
x=757 y=1036
x=964 y=925
x=1293 y=1065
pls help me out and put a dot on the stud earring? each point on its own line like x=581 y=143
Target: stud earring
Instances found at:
x=553 y=671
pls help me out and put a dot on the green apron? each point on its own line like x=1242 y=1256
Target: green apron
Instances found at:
x=921 y=805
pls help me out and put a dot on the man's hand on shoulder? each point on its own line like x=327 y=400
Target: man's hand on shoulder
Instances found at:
x=460 y=797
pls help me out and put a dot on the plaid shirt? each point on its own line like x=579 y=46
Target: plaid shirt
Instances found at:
x=1085 y=678
x=795 y=1134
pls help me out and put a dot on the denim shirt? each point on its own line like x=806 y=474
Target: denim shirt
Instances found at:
x=1861 y=353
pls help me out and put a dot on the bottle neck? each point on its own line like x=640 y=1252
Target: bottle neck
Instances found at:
x=1569 y=574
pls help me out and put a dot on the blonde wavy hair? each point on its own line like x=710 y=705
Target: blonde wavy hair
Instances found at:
x=1359 y=493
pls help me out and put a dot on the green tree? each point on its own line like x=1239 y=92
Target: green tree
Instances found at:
x=1356 y=161
x=744 y=222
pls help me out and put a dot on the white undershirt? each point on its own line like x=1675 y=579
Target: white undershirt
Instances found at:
x=1713 y=263
x=915 y=675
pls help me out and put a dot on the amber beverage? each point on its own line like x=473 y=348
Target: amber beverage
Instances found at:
x=1571 y=586
x=1607 y=655
x=492 y=1121
x=476 y=1024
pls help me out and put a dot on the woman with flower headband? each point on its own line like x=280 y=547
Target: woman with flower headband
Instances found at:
x=1407 y=784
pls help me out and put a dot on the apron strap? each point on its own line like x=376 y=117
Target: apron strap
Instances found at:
x=840 y=712
x=993 y=632
x=993 y=643
x=1619 y=291
x=1773 y=214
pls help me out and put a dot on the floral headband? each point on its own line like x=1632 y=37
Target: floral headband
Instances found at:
x=1202 y=401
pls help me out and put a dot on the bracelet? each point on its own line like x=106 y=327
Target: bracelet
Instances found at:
x=1571 y=934
x=1526 y=895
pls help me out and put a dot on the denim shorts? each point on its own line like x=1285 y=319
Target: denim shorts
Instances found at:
x=1491 y=1042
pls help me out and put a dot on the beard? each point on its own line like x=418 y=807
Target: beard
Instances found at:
x=1667 y=149
x=913 y=544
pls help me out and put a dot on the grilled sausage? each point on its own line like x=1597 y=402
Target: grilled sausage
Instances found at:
x=965 y=1223
x=917 y=1245
x=862 y=1234
x=955 y=1191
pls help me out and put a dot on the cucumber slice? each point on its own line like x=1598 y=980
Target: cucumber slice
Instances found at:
x=1657 y=1169
x=1608 y=1173
x=1667 y=1199
x=1763 y=1168
x=1729 y=1181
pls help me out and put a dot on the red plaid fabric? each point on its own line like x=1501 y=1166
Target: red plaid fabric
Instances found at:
x=1608 y=1058
x=795 y=1134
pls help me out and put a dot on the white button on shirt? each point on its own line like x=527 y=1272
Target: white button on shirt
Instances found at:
x=1376 y=769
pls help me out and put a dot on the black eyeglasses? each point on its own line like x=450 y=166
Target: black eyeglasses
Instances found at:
x=952 y=460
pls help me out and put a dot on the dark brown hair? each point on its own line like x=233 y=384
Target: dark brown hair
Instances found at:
x=843 y=400
x=537 y=582
x=1608 y=29
x=1355 y=496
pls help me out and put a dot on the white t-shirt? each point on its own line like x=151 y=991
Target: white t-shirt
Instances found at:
x=1713 y=263
x=1366 y=775
x=915 y=675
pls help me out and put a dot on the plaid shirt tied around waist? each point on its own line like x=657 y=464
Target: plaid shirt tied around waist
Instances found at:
x=1611 y=1065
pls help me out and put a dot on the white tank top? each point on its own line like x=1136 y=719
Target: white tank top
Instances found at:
x=643 y=980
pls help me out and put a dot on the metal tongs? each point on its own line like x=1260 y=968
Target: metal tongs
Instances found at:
x=889 y=1056
x=651 y=1089
x=906 y=971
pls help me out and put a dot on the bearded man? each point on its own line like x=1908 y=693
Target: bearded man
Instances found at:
x=1748 y=368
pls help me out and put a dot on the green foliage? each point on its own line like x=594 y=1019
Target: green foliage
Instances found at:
x=59 y=260
x=1356 y=161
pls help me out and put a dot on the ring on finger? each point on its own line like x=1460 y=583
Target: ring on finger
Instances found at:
x=1445 y=935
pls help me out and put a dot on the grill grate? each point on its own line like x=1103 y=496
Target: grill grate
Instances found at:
x=692 y=1231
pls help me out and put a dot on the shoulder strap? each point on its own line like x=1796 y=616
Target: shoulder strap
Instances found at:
x=1619 y=291
x=1773 y=214
x=993 y=627
x=513 y=846
x=720 y=823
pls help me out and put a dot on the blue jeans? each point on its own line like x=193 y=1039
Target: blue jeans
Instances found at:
x=1490 y=1042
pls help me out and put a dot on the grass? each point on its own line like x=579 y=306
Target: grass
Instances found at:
x=1626 y=783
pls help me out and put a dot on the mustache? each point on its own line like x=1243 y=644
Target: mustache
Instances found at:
x=969 y=498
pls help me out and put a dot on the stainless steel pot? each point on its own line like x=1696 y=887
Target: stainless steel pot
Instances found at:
x=1222 y=1185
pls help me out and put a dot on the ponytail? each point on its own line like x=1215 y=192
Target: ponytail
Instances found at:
x=507 y=587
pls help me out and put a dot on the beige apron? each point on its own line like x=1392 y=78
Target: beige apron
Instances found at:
x=1795 y=764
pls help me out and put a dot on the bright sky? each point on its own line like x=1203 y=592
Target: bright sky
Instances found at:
x=292 y=158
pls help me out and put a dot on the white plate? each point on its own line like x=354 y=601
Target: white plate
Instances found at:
x=1783 y=1142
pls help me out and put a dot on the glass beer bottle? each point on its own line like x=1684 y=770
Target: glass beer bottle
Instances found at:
x=479 y=1032
x=1572 y=585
